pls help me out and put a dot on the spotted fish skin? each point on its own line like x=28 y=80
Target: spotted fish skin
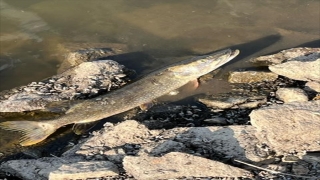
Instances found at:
x=148 y=88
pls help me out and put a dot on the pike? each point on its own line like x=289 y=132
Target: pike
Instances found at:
x=148 y=88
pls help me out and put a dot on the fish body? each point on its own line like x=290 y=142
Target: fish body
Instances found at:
x=148 y=88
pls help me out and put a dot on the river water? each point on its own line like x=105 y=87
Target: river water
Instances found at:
x=32 y=32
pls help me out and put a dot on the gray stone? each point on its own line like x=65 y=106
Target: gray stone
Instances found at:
x=237 y=142
x=85 y=170
x=225 y=102
x=313 y=85
x=167 y=146
x=83 y=80
x=291 y=95
x=289 y=127
x=127 y=132
x=217 y=120
x=177 y=165
x=222 y=102
x=251 y=76
x=304 y=71
x=299 y=169
x=30 y=169
x=294 y=54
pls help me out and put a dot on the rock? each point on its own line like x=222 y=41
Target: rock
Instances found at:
x=30 y=169
x=177 y=165
x=289 y=127
x=294 y=54
x=297 y=70
x=237 y=142
x=291 y=95
x=251 y=76
x=222 y=102
x=127 y=132
x=230 y=142
x=253 y=104
x=82 y=81
x=225 y=102
x=85 y=170
x=299 y=169
x=167 y=146
x=78 y=53
x=217 y=120
x=313 y=85
x=313 y=157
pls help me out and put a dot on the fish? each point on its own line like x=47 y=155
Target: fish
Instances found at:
x=146 y=89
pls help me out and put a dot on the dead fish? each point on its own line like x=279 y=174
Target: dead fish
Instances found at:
x=148 y=88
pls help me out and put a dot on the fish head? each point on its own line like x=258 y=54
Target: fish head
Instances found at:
x=201 y=65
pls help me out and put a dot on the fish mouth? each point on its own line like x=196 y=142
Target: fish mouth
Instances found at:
x=234 y=53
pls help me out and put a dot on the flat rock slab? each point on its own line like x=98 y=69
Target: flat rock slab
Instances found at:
x=291 y=95
x=178 y=165
x=251 y=76
x=289 y=127
x=299 y=70
x=84 y=170
x=80 y=82
x=293 y=54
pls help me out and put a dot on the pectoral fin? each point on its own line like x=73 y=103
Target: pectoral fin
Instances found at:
x=81 y=128
x=146 y=106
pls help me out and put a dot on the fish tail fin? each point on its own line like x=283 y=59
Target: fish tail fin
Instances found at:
x=33 y=132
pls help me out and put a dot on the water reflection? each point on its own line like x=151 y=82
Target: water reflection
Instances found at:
x=32 y=32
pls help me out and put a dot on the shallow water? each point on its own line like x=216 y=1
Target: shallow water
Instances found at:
x=32 y=33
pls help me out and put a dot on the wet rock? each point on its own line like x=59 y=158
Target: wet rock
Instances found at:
x=294 y=54
x=251 y=76
x=313 y=157
x=253 y=104
x=217 y=120
x=300 y=169
x=237 y=142
x=83 y=81
x=313 y=85
x=225 y=102
x=78 y=53
x=177 y=165
x=85 y=170
x=291 y=95
x=289 y=127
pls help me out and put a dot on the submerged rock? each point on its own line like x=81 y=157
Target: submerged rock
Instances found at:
x=291 y=127
x=177 y=165
x=251 y=76
x=291 y=95
x=77 y=53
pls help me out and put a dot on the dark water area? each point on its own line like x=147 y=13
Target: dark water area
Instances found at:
x=156 y=33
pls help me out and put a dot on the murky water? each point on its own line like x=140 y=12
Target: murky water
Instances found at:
x=33 y=32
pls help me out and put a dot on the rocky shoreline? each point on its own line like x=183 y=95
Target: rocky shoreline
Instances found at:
x=270 y=120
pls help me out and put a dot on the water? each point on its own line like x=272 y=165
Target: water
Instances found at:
x=32 y=32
